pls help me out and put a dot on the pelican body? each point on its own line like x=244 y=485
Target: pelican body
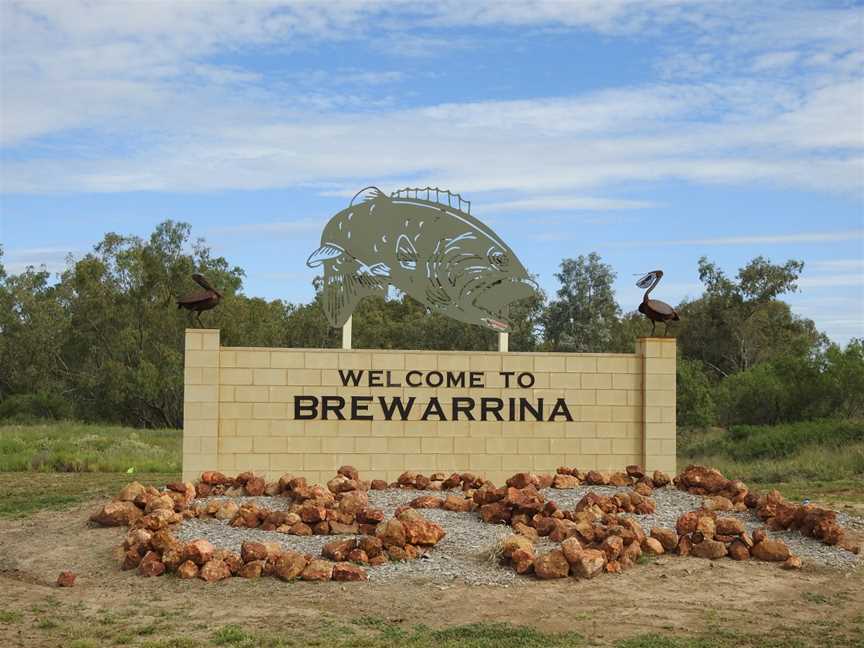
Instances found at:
x=200 y=301
x=654 y=309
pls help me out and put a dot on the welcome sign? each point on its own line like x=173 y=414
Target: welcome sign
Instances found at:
x=309 y=411
x=459 y=408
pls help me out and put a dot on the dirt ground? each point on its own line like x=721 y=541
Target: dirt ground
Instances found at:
x=671 y=595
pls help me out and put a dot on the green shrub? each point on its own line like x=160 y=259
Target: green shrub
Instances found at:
x=22 y=408
x=695 y=403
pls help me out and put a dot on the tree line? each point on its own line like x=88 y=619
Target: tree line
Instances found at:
x=103 y=340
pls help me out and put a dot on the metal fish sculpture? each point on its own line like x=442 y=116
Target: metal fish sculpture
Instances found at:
x=425 y=243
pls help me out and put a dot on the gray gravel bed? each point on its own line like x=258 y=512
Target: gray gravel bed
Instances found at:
x=465 y=552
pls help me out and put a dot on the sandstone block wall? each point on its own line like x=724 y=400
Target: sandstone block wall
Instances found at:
x=241 y=408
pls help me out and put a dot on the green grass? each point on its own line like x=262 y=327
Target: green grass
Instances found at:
x=80 y=447
x=810 y=451
x=24 y=493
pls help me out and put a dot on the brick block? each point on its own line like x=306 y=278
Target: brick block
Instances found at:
x=277 y=377
x=252 y=359
x=550 y=363
x=235 y=377
x=287 y=360
x=321 y=360
x=581 y=364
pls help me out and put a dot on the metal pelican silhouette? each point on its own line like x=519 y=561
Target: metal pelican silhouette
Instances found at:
x=200 y=301
x=654 y=309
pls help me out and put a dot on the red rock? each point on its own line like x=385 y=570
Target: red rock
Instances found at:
x=643 y=489
x=495 y=513
x=687 y=523
x=252 y=569
x=214 y=570
x=759 y=535
x=358 y=556
x=660 y=479
x=199 y=551
x=612 y=546
x=565 y=481
x=288 y=565
x=635 y=471
x=255 y=487
x=457 y=503
x=312 y=513
x=792 y=562
x=66 y=579
x=117 y=514
x=527 y=531
x=588 y=564
x=770 y=550
x=378 y=484
x=391 y=533
x=131 y=559
x=227 y=510
x=523 y=560
x=371 y=545
x=730 y=526
x=684 y=545
x=151 y=565
x=163 y=540
x=131 y=492
x=667 y=537
x=341 y=484
x=318 y=570
x=251 y=551
x=337 y=528
x=348 y=471
x=370 y=516
x=702 y=477
x=595 y=478
x=137 y=537
x=551 y=565
x=426 y=502
x=705 y=525
x=300 y=529
x=619 y=479
x=338 y=550
x=522 y=480
x=738 y=550
x=422 y=532
x=513 y=543
x=653 y=547
x=344 y=571
x=214 y=478
x=708 y=548
x=397 y=553
x=572 y=549
x=407 y=478
x=718 y=503
x=452 y=481
x=187 y=569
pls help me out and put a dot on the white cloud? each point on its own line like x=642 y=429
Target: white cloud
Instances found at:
x=832 y=281
x=143 y=75
x=837 y=264
x=279 y=227
x=771 y=239
x=52 y=259
x=565 y=203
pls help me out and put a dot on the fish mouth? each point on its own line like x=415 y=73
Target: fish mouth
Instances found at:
x=496 y=325
x=497 y=297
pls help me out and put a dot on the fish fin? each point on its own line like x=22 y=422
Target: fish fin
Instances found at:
x=344 y=290
x=442 y=197
x=381 y=270
x=406 y=253
x=326 y=252
x=366 y=195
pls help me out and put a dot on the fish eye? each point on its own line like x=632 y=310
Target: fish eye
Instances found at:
x=498 y=258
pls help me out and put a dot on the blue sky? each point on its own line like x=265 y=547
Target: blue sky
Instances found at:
x=650 y=132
